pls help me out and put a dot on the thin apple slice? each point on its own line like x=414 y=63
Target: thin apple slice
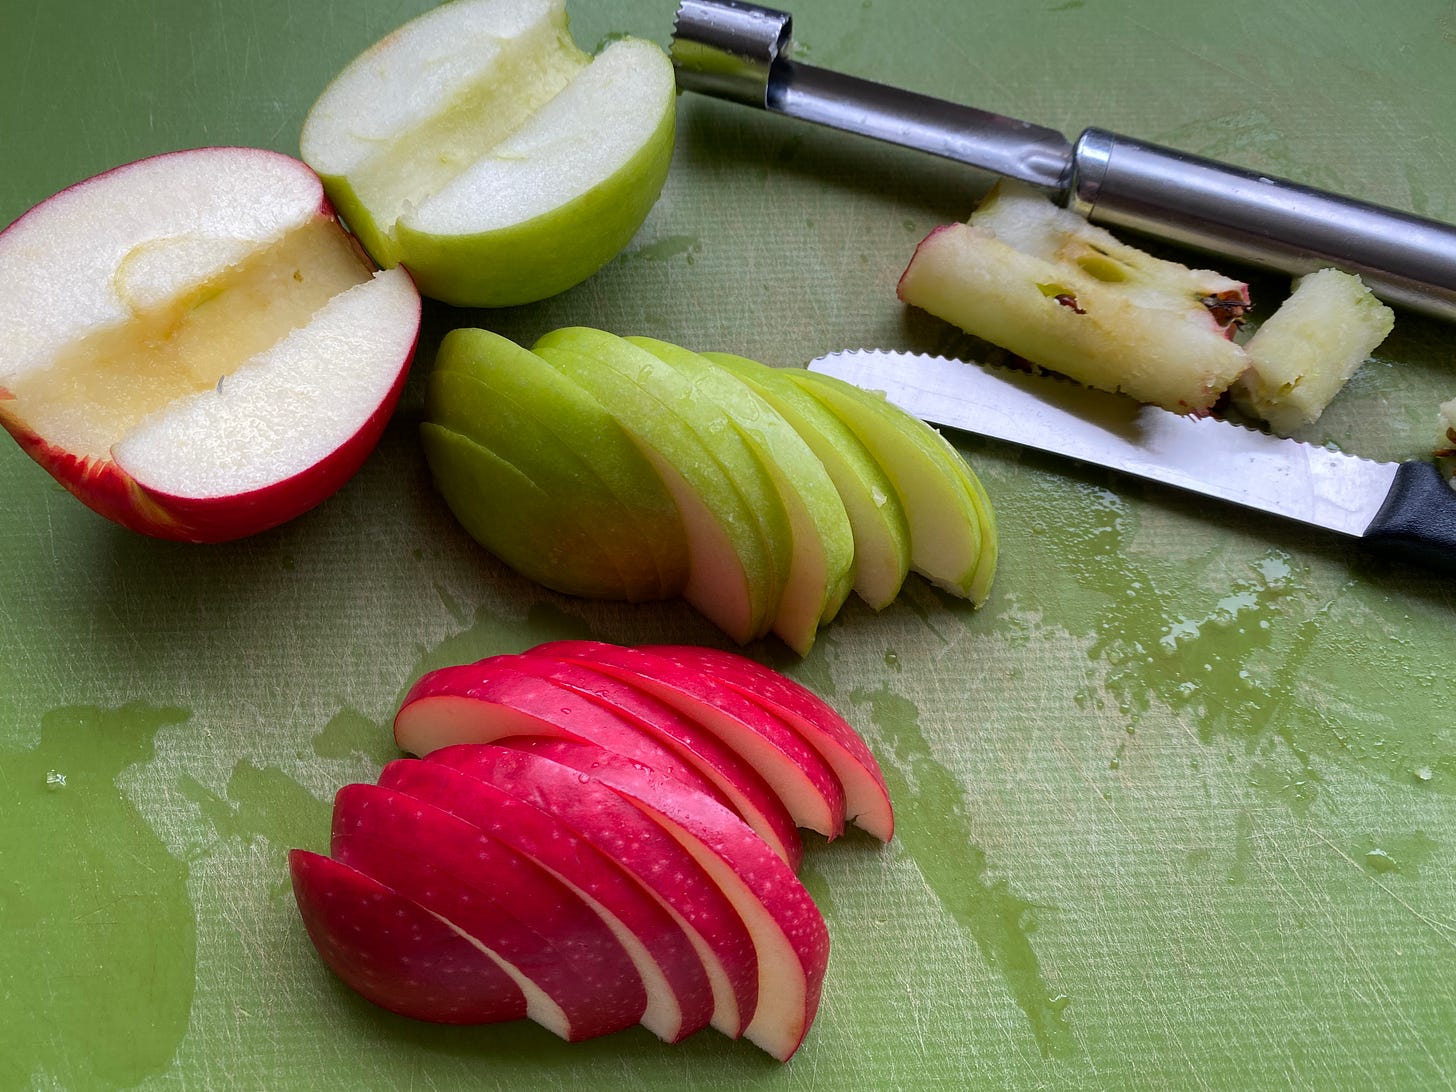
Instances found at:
x=866 y=798
x=479 y=147
x=881 y=536
x=739 y=541
x=509 y=400
x=821 y=566
x=531 y=696
x=679 y=996
x=789 y=935
x=578 y=980
x=394 y=952
x=804 y=782
x=565 y=556
x=644 y=850
x=953 y=540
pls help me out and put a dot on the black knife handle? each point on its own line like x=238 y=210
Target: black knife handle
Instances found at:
x=1417 y=522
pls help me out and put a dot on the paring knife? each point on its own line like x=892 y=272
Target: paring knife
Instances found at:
x=1405 y=509
x=739 y=51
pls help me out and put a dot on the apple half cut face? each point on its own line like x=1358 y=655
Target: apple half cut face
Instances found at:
x=194 y=347
x=481 y=148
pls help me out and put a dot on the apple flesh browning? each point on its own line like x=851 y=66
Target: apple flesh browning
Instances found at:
x=394 y=952
x=866 y=798
x=789 y=935
x=578 y=979
x=644 y=850
x=473 y=142
x=802 y=779
x=1446 y=429
x=1304 y=353
x=821 y=566
x=679 y=996
x=1044 y=284
x=532 y=696
x=881 y=538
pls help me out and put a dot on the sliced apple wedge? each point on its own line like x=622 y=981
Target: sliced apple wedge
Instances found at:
x=193 y=345
x=881 y=538
x=866 y=798
x=512 y=402
x=789 y=935
x=679 y=996
x=643 y=849
x=578 y=980
x=394 y=952
x=739 y=540
x=821 y=566
x=536 y=696
x=802 y=779
x=1045 y=284
x=953 y=539
x=479 y=147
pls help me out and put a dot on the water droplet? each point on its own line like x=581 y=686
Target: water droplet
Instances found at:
x=1380 y=861
x=1423 y=774
x=55 y=781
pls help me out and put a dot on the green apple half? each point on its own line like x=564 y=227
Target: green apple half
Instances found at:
x=478 y=146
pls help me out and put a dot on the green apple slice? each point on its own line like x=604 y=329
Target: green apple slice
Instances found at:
x=880 y=533
x=821 y=568
x=481 y=148
x=953 y=541
x=525 y=526
x=509 y=400
x=739 y=541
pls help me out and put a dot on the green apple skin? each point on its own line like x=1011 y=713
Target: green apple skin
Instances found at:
x=821 y=569
x=881 y=536
x=739 y=540
x=512 y=402
x=525 y=525
x=953 y=540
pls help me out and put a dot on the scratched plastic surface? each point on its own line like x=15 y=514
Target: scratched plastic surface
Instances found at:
x=1176 y=808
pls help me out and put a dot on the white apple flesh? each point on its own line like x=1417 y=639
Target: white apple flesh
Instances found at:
x=193 y=345
x=481 y=148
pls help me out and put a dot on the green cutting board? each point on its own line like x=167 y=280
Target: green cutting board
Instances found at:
x=1177 y=807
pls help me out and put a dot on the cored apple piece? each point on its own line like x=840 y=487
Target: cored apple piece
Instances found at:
x=194 y=347
x=866 y=798
x=1304 y=353
x=1045 y=284
x=394 y=952
x=802 y=779
x=644 y=850
x=578 y=980
x=679 y=996
x=534 y=696
x=479 y=147
x=789 y=935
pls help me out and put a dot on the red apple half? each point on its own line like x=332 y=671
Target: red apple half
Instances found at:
x=531 y=696
x=679 y=997
x=194 y=346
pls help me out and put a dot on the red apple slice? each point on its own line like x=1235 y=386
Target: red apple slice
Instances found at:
x=395 y=953
x=578 y=980
x=644 y=850
x=788 y=931
x=866 y=799
x=194 y=347
x=802 y=779
x=534 y=696
x=679 y=997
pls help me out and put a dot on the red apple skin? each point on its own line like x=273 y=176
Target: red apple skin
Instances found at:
x=541 y=836
x=640 y=847
x=505 y=901
x=789 y=933
x=108 y=490
x=805 y=783
x=393 y=952
x=867 y=799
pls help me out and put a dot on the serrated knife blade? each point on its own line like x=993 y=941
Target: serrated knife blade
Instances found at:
x=1405 y=508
